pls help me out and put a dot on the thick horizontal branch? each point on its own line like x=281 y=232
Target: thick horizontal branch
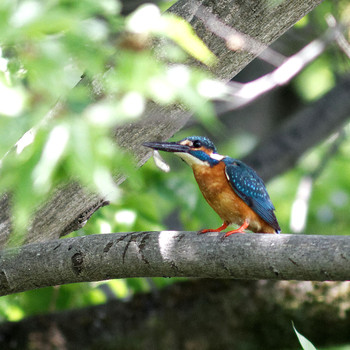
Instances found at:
x=174 y=254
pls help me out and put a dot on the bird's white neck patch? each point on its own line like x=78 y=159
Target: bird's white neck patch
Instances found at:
x=191 y=160
x=217 y=156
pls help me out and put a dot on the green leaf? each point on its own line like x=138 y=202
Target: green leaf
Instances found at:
x=183 y=34
x=305 y=343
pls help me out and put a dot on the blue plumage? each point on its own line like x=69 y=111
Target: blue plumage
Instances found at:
x=251 y=189
x=204 y=157
x=202 y=141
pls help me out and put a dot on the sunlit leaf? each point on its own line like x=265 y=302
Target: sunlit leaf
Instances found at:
x=183 y=34
x=305 y=343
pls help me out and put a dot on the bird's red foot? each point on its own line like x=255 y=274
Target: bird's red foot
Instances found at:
x=219 y=229
x=239 y=230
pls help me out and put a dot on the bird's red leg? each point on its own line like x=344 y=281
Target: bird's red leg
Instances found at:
x=219 y=229
x=239 y=230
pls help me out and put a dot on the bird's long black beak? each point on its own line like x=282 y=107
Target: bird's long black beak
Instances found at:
x=167 y=146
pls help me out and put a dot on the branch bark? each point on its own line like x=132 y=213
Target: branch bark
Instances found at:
x=72 y=205
x=174 y=254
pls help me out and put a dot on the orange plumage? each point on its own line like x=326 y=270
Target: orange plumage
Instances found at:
x=219 y=194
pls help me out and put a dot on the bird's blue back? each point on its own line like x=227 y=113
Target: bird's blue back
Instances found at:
x=251 y=189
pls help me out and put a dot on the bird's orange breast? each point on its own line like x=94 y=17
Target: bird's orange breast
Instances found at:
x=218 y=192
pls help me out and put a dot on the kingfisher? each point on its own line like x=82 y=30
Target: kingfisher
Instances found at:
x=232 y=188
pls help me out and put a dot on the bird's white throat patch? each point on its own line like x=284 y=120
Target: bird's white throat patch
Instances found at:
x=191 y=160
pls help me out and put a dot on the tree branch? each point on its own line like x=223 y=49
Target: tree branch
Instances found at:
x=174 y=254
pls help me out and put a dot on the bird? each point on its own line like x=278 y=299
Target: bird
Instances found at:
x=232 y=188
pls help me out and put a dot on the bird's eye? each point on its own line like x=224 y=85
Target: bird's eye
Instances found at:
x=197 y=144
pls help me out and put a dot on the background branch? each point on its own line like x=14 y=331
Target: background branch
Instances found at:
x=174 y=254
x=242 y=94
x=281 y=150
x=197 y=314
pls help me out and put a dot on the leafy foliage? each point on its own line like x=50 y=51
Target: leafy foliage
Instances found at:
x=44 y=52
x=45 y=49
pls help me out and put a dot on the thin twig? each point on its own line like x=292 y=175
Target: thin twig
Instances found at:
x=301 y=203
x=339 y=37
x=237 y=41
x=242 y=94
x=239 y=94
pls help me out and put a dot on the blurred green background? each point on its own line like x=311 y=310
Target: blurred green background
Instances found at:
x=80 y=37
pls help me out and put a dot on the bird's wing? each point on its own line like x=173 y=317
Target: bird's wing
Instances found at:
x=251 y=189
